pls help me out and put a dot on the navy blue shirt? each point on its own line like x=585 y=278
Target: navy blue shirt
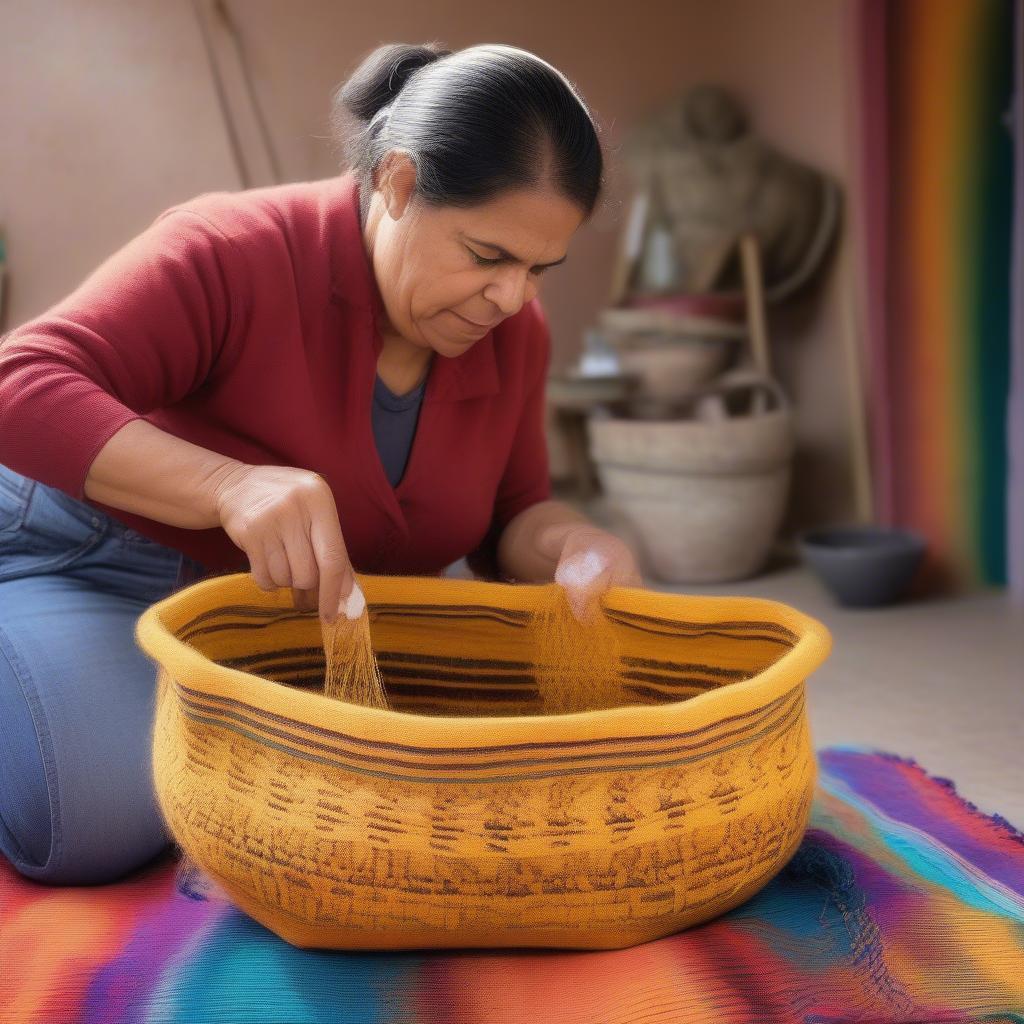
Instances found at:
x=394 y=426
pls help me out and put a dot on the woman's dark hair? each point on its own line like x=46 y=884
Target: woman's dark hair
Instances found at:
x=476 y=123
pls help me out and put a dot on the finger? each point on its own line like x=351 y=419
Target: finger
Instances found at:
x=305 y=577
x=304 y=600
x=337 y=581
x=277 y=562
x=258 y=568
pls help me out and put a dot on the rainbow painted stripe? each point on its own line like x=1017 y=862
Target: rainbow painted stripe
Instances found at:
x=937 y=183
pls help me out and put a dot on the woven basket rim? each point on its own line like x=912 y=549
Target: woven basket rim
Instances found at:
x=154 y=633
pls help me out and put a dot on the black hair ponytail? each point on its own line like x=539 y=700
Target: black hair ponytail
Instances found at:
x=382 y=75
x=476 y=123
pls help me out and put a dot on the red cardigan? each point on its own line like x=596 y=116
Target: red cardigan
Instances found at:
x=245 y=323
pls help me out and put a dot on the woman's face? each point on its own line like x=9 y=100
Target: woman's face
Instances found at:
x=448 y=275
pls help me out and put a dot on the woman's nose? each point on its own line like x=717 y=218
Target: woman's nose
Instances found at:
x=510 y=290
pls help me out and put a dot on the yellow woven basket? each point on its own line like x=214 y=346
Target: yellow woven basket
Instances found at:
x=465 y=815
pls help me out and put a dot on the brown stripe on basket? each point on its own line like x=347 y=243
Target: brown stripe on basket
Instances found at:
x=281 y=739
x=692 y=630
x=457 y=692
x=228 y=711
x=310 y=654
x=402 y=680
x=403 y=691
x=261 y=618
x=477 y=703
x=689 y=682
x=447 y=751
x=401 y=668
x=274 y=667
x=445 y=609
x=676 y=635
x=254 y=611
x=684 y=667
x=499 y=615
x=326 y=754
x=520 y=679
x=311 y=657
x=212 y=620
x=727 y=625
x=441 y=659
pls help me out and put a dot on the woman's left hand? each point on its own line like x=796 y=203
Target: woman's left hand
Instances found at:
x=591 y=561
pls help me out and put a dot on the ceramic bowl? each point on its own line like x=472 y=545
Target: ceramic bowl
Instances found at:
x=863 y=566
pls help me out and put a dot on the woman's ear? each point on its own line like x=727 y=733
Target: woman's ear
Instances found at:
x=397 y=180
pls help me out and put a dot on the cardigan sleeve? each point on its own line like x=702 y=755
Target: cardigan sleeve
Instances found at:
x=143 y=331
x=526 y=479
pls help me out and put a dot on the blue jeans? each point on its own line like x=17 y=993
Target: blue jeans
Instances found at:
x=76 y=693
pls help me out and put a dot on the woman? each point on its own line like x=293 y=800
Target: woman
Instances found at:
x=295 y=381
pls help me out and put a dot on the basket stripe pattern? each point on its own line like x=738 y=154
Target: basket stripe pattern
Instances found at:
x=465 y=816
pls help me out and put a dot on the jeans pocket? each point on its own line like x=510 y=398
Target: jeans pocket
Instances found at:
x=50 y=532
x=15 y=492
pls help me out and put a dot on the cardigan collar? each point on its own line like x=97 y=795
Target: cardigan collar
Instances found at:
x=474 y=374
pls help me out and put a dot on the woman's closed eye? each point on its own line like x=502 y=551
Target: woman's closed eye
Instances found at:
x=485 y=262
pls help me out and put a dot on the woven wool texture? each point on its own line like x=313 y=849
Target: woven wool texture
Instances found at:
x=467 y=814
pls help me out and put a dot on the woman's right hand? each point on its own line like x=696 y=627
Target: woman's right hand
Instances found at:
x=286 y=522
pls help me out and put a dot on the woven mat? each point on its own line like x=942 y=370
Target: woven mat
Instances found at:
x=904 y=903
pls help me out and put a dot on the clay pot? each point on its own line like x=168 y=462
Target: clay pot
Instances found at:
x=672 y=355
x=675 y=368
x=703 y=492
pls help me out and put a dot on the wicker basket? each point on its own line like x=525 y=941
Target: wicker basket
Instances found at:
x=703 y=499
x=465 y=817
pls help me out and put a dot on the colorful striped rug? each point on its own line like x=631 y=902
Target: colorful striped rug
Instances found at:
x=904 y=903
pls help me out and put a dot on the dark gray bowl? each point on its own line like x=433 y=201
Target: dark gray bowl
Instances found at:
x=863 y=566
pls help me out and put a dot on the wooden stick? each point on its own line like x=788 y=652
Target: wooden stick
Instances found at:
x=629 y=249
x=754 y=288
x=860 y=448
